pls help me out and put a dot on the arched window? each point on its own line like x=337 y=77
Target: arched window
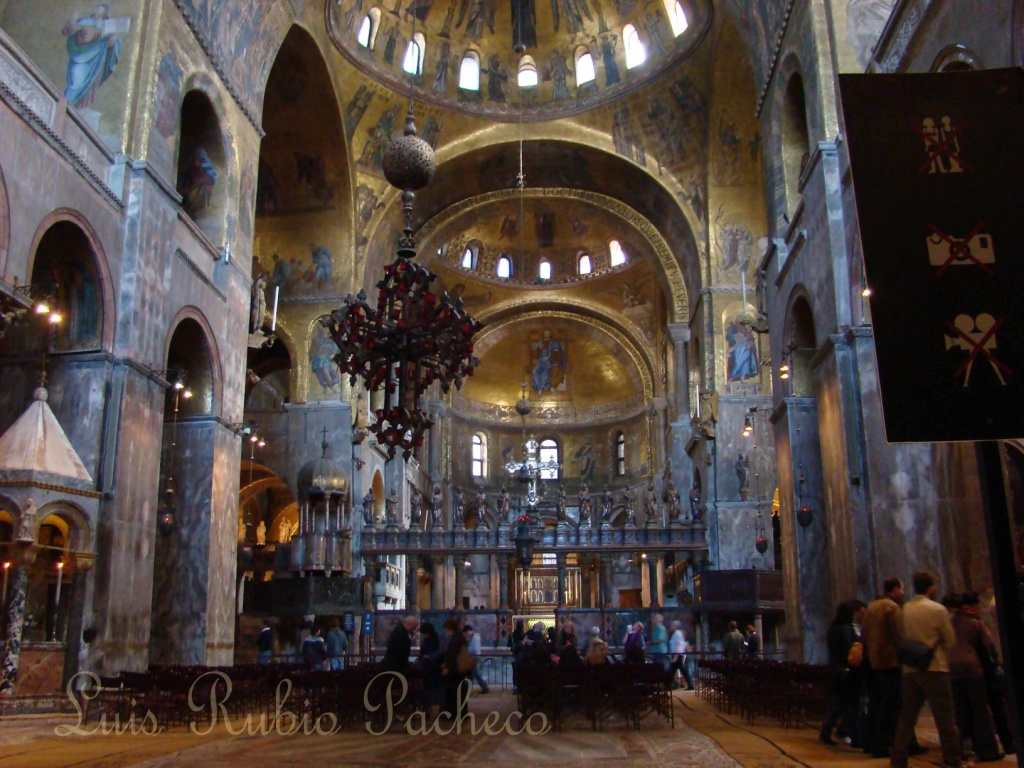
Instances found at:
x=504 y=269
x=618 y=256
x=636 y=54
x=367 y=35
x=620 y=454
x=413 y=61
x=479 y=455
x=585 y=266
x=471 y=256
x=469 y=72
x=548 y=452
x=544 y=270
x=527 y=72
x=585 y=71
x=795 y=138
x=676 y=17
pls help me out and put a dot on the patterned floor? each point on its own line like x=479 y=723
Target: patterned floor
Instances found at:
x=702 y=738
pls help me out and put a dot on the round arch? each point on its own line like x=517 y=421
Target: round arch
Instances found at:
x=216 y=368
x=108 y=321
x=71 y=520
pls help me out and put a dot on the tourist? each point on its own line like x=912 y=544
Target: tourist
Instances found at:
x=927 y=623
x=733 y=643
x=658 y=648
x=566 y=637
x=337 y=646
x=314 y=649
x=752 y=641
x=476 y=650
x=450 y=671
x=841 y=637
x=882 y=629
x=428 y=664
x=634 y=644
x=399 y=647
x=967 y=677
x=265 y=644
x=677 y=654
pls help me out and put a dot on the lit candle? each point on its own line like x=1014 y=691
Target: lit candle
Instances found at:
x=273 y=320
x=7 y=568
x=60 y=575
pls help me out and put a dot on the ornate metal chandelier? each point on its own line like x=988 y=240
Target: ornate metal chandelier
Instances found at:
x=413 y=337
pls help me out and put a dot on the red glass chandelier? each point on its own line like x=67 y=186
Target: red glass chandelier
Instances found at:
x=413 y=337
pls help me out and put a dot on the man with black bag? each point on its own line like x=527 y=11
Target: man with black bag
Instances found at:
x=927 y=637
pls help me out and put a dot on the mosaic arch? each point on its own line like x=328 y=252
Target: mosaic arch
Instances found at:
x=668 y=265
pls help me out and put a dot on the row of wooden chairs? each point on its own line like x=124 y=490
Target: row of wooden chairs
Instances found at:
x=597 y=694
x=787 y=692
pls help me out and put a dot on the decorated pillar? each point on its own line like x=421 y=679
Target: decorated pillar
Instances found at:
x=412 y=567
x=458 y=562
x=24 y=554
x=657 y=598
x=437 y=585
x=560 y=558
x=679 y=391
x=503 y=561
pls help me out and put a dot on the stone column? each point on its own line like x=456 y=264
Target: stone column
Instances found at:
x=660 y=406
x=759 y=629
x=437 y=412
x=437 y=586
x=657 y=598
x=15 y=626
x=606 y=582
x=460 y=569
x=560 y=599
x=412 y=577
x=705 y=633
x=680 y=375
x=503 y=581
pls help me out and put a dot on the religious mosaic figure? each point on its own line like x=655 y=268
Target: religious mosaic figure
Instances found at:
x=94 y=46
x=368 y=500
x=650 y=502
x=611 y=68
x=441 y=77
x=585 y=503
x=198 y=177
x=323 y=265
x=549 y=364
x=497 y=76
x=606 y=506
x=587 y=458
x=559 y=72
x=504 y=506
x=629 y=497
x=322 y=350
x=458 y=507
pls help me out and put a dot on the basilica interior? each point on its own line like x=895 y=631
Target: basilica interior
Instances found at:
x=647 y=207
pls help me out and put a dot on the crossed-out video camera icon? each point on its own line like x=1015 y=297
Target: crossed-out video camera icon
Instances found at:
x=976 y=336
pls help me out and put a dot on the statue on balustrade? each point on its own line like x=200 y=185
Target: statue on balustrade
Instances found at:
x=586 y=505
x=368 y=501
x=436 y=506
x=415 y=506
x=674 y=501
x=560 y=500
x=695 y=498
x=391 y=509
x=650 y=502
x=458 y=507
x=481 y=508
x=504 y=505
x=261 y=534
x=629 y=497
x=606 y=506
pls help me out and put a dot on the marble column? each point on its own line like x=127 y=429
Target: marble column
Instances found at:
x=657 y=598
x=459 y=563
x=15 y=626
x=660 y=406
x=560 y=558
x=412 y=567
x=705 y=633
x=437 y=585
x=680 y=381
x=606 y=582
x=503 y=581
x=437 y=412
x=759 y=629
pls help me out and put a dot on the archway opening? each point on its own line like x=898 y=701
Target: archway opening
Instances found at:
x=202 y=166
x=795 y=138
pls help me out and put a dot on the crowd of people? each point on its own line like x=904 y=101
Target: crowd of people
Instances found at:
x=889 y=657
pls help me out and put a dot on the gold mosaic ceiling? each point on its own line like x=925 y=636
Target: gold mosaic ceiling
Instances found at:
x=553 y=32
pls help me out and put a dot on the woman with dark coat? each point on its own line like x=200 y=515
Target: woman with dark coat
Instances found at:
x=846 y=682
x=450 y=671
x=429 y=666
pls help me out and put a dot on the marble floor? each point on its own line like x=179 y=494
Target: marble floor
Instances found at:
x=703 y=737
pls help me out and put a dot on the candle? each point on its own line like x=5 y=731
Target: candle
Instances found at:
x=7 y=568
x=743 y=283
x=60 y=574
x=273 y=321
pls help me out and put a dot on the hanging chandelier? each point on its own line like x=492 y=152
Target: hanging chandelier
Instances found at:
x=413 y=337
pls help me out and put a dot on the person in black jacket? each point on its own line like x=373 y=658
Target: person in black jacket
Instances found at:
x=450 y=671
x=396 y=655
x=846 y=682
x=429 y=666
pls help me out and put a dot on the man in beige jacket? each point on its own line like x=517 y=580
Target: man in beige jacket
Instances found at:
x=926 y=621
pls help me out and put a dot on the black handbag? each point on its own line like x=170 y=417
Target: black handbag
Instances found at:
x=914 y=653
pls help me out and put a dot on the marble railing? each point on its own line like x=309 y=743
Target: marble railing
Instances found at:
x=394 y=540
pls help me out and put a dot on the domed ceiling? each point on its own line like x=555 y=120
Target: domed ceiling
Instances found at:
x=554 y=33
